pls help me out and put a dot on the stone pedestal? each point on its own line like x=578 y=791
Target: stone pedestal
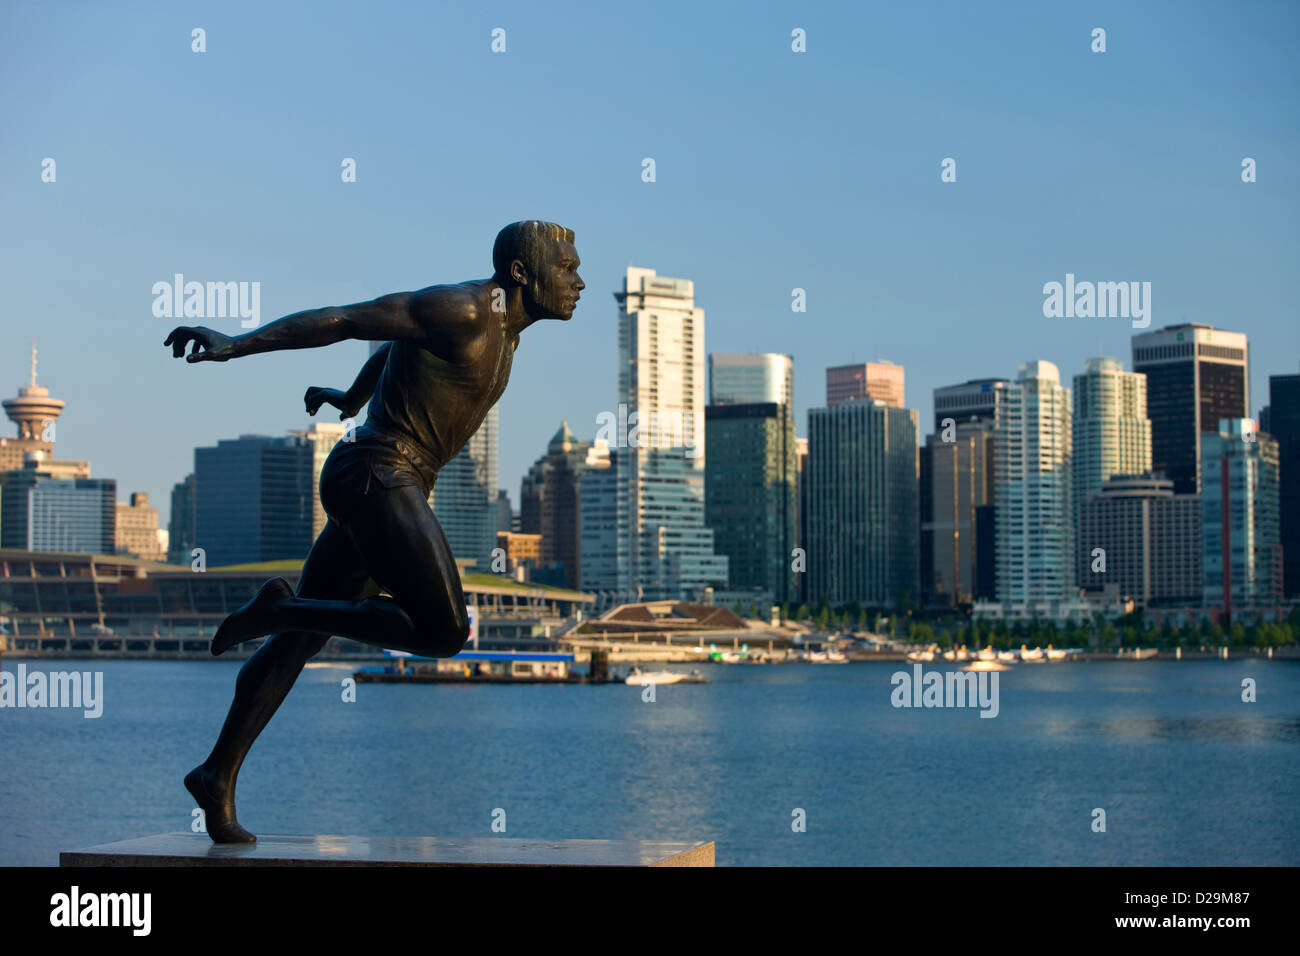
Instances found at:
x=195 y=849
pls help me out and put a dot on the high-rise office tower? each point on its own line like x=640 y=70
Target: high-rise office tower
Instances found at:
x=1241 y=555
x=871 y=381
x=505 y=512
x=974 y=401
x=464 y=497
x=322 y=437
x=959 y=475
x=1112 y=436
x=862 y=504
x=600 y=569
x=1196 y=375
x=180 y=529
x=801 y=541
x=253 y=499
x=549 y=500
x=1151 y=539
x=665 y=551
x=751 y=483
x=1032 y=453
x=43 y=509
x=751 y=378
x=977 y=399
x=1284 y=427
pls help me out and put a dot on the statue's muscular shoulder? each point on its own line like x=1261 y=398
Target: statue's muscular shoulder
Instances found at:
x=458 y=321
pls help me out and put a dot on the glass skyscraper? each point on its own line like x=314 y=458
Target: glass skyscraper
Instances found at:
x=1196 y=376
x=750 y=499
x=464 y=497
x=863 y=518
x=253 y=499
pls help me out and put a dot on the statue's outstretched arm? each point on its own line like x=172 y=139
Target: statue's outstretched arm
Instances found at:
x=384 y=319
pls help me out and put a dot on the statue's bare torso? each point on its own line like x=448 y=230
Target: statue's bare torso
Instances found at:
x=440 y=400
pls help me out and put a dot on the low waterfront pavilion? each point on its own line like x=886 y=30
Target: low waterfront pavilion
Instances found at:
x=69 y=603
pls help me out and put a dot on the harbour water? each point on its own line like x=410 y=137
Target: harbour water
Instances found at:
x=1185 y=770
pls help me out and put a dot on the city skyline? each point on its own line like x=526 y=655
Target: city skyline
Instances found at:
x=941 y=280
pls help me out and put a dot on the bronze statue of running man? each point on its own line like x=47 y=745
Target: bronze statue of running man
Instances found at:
x=445 y=363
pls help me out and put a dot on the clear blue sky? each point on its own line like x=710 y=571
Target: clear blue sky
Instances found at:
x=775 y=170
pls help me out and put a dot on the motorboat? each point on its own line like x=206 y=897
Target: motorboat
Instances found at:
x=641 y=678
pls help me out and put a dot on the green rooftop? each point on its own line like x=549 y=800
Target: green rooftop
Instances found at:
x=294 y=566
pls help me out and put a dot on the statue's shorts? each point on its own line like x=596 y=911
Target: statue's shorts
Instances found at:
x=375 y=460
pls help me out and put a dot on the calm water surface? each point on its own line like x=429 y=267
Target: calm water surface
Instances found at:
x=1188 y=774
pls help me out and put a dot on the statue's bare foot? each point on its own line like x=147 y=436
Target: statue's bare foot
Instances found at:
x=218 y=814
x=250 y=620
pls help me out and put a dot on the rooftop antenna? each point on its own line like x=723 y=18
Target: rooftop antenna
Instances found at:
x=33 y=363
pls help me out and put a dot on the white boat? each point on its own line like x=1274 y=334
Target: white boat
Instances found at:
x=917 y=656
x=836 y=657
x=988 y=654
x=1031 y=657
x=1142 y=654
x=1006 y=657
x=641 y=678
x=963 y=654
x=950 y=655
x=1055 y=655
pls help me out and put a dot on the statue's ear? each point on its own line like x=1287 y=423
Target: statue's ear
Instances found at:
x=518 y=273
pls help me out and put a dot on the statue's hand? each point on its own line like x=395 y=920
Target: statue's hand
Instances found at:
x=209 y=346
x=317 y=396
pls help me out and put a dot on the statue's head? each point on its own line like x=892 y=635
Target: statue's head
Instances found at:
x=539 y=257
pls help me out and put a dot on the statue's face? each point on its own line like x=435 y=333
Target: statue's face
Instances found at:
x=556 y=286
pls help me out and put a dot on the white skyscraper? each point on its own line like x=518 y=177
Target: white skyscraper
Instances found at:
x=664 y=550
x=751 y=379
x=1112 y=436
x=1033 y=547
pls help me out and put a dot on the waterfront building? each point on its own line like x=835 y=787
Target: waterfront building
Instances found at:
x=180 y=529
x=253 y=499
x=1284 y=426
x=464 y=497
x=751 y=484
x=601 y=570
x=549 y=497
x=1241 y=554
x=957 y=482
x=71 y=604
x=136 y=529
x=1196 y=376
x=863 y=515
x=1112 y=436
x=321 y=437
x=664 y=550
x=1149 y=539
x=978 y=399
x=52 y=510
x=747 y=379
x=871 y=381
x=1032 y=455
